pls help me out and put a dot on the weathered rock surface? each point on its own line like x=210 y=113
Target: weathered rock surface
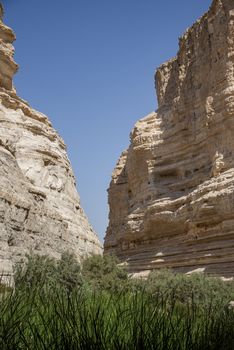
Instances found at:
x=39 y=205
x=172 y=193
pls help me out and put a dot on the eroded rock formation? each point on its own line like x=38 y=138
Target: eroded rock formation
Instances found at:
x=39 y=205
x=172 y=193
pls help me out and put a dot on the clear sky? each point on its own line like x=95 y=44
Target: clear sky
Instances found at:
x=89 y=65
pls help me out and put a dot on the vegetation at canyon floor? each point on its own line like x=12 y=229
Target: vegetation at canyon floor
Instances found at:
x=62 y=305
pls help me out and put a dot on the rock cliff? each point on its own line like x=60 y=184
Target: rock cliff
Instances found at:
x=39 y=205
x=171 y=196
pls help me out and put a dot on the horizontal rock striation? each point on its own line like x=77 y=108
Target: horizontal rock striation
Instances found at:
x=39 y=205
x=171 y=196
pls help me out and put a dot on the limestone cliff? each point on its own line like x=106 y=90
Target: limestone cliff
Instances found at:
x=39 y=205
x=171 y=196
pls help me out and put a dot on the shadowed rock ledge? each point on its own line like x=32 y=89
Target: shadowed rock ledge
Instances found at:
x=171 y=196
x=39 y=205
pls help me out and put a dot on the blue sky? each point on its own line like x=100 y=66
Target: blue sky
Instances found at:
x=89 y=65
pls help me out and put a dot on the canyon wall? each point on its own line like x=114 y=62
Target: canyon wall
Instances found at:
x=39 y=205
x=171 y=196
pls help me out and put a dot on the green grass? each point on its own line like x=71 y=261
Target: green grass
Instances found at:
x=76 y=309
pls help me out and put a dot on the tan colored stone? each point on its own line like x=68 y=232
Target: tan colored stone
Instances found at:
x=172 y=193
x=39 y=205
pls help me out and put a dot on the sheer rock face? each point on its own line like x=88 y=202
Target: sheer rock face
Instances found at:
x=172 y=193
x=39 y=205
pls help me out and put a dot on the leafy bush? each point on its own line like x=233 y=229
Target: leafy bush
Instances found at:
x=46 y=272
x=103 y=272
x=197 y=287
x=69 y=272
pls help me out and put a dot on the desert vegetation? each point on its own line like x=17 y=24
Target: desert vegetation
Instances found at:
x=64 y=305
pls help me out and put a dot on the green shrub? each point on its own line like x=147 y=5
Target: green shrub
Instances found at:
x=196 y=287
x=46 y=272
x=103 y=272
x=68 y=272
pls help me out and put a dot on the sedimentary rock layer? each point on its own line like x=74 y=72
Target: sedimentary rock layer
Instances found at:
x=39 y=205
x=172 y=193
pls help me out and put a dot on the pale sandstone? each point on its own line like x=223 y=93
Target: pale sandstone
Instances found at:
x=171 y=196
x=40 y=208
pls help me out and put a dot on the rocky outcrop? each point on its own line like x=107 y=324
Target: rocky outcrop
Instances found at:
x=171 y=196
x=39 y=205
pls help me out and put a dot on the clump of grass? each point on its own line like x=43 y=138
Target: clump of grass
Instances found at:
x=61 y=305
